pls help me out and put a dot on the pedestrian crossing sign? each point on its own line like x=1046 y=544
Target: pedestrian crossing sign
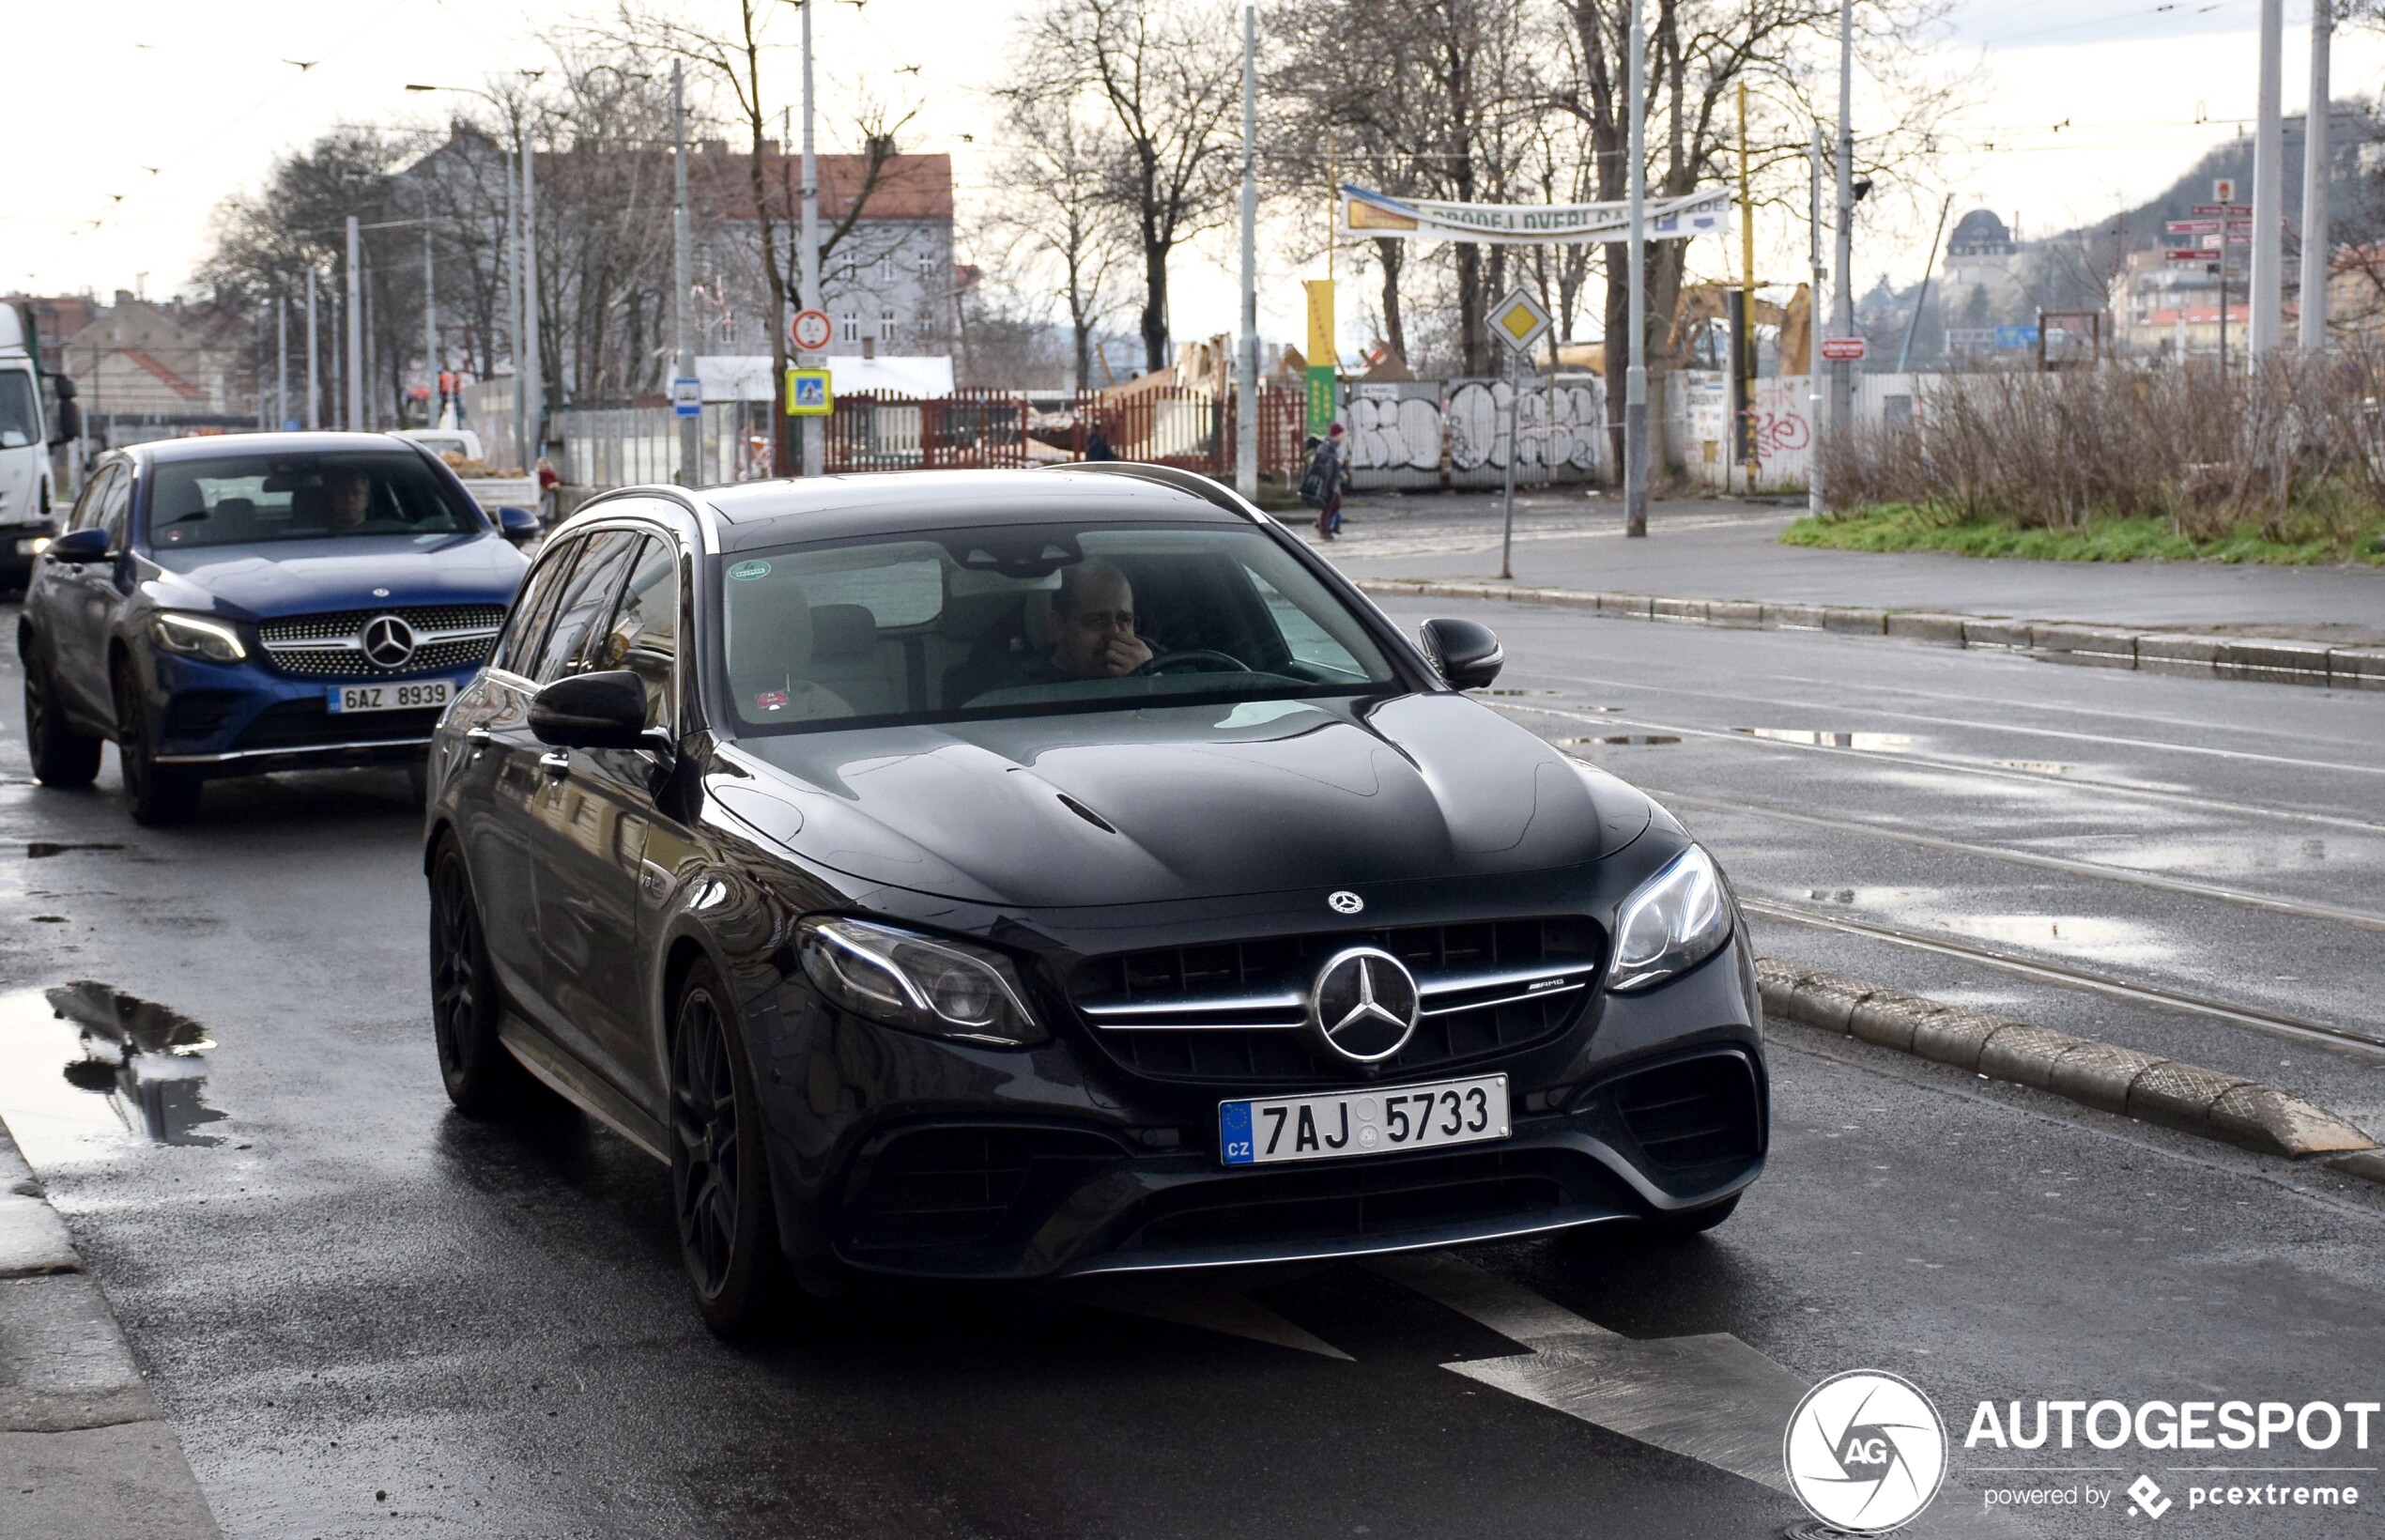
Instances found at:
x=807 y=393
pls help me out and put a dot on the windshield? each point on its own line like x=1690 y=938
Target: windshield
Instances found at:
x=250 y=499
x=951 y=625
x=20 y=424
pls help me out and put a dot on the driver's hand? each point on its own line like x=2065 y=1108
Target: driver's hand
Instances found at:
x=1123 y=655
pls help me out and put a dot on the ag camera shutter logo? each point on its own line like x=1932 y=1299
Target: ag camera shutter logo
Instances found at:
x=1864 y=1452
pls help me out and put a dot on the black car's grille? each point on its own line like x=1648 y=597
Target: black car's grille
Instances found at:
x=331 y=645
x=954 y=1186
x=311 y=724
x=1701 y=1112
x=1236 y=1011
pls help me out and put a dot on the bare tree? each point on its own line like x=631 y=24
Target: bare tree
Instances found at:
x=1166 y=73
x=1053 y=208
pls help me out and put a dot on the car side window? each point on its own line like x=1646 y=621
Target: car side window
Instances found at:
x=518 y=648
x=643 y=636
x=94 y=497
x=587 y=600
x=116 y=510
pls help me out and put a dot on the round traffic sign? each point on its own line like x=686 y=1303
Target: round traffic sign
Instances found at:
x=810 y=330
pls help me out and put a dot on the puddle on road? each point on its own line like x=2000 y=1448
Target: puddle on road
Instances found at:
x=1883 y=742
x=2083 y=936
x=1634 y=738
x=2036 y=768
x=41 y=849
x=1533 y=692
x=85 y=1069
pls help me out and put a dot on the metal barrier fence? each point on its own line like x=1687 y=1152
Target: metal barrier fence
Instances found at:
x=628 y=446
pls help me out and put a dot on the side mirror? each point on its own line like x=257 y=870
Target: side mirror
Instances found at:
x=605 y=710
x=518 y=525
x=1468 y=654
x=79 y=547
x=69 y=426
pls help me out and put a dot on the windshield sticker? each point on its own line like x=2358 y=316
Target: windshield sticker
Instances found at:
x=750 y=569
x=770 y=699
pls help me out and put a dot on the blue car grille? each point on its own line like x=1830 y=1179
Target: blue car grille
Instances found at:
x=331 y=645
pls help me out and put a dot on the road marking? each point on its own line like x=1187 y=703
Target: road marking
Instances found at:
x=1710 y=1397
x=1192 y=1299
x=2095 y=869
x=2285 y=1026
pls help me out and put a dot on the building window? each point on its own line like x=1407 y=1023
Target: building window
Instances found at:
x=927 y=266
x=886 y=268
x=849 y=327
x=886 y=325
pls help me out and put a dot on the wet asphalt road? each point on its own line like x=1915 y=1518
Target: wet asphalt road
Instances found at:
x=364 y=1315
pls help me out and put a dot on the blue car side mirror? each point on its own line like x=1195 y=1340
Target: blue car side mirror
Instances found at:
x=79 y=546
x=518 y=525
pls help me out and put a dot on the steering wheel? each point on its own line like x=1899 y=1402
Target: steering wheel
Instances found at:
x=1195 y=660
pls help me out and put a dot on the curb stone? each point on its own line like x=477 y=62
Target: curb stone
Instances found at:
x=2272 y=660
x=2102 y=1075
x=83 y=1451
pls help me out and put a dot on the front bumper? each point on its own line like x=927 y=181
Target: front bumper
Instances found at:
x=242 y=719
x=899 y=1154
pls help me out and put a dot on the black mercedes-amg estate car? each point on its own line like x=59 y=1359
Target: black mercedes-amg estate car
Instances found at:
x=1025 y=874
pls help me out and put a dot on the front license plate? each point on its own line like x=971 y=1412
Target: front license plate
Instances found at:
x=1374 y=1121
x=418 y=695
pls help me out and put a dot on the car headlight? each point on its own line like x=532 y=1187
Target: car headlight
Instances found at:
x=942 y=987
x=1675 y=921
x=193 y=636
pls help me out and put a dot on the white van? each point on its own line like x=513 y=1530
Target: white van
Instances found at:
x=28 y=494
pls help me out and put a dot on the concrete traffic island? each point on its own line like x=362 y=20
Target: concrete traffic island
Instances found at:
x=2123 y=1080
x=85 y=1454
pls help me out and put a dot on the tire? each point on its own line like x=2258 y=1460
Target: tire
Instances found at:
x=1691 y=1221
x=720 y=1176
x=482 y=1077
x=158 y=794
x=63 y=757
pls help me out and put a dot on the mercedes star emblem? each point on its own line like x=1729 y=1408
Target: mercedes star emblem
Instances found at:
x=388 y=642
x=1363 y=1005
x=1345 y=902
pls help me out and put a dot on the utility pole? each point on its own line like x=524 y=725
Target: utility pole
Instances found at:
x=533 y=375
x=1246 y=434
x=1813 y=318
x=313 y=354
x=513 y=306
x=1842 y=308
x=2317 y=247
x=814 y=431
x=1635 y=282
x=2269 y=189
x=430 y=322
x=281 y=362
x=691 y=429
x=1905 y=354
x=352 y=417
x=1743 y=340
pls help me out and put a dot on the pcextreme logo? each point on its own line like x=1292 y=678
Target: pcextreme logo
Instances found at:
x=1864 y=1452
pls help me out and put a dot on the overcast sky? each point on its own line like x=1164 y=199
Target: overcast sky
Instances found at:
x=130 y=120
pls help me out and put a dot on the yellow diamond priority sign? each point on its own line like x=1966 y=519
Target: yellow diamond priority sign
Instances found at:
x=1520 y=321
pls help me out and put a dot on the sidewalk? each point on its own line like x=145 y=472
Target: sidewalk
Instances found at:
x=83 y=1452
x=1713 y=549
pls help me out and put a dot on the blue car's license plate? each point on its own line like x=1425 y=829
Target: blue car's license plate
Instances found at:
x=1377 y=1120
x=414 y=695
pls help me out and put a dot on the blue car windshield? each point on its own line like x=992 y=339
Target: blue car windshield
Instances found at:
x=1029 y=619
x=267 y=499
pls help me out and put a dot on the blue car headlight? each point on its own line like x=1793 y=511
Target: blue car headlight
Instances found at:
x=1675 y=920
x=196 y=635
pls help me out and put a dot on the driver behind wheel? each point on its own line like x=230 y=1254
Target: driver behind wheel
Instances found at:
x=1092 y=630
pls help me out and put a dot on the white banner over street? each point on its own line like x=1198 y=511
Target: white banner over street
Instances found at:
x=1378 y=216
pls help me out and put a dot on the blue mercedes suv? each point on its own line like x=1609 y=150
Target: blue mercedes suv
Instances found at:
x=239 y=605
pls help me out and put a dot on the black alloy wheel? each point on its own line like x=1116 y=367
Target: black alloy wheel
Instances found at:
x=719 y=1183
x=481 y=1078
x=159 y=793
x=62 y=756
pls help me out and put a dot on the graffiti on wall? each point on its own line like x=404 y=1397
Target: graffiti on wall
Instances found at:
x=1403 y=427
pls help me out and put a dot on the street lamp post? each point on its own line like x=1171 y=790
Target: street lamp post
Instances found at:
x=2315 y=125
x=352 y=415
x=814 y=434
x=1842 y=309
x=2269 y=189
x=1636 y=277
x=691 y=429
x=1246 y=436
x=313 y=353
